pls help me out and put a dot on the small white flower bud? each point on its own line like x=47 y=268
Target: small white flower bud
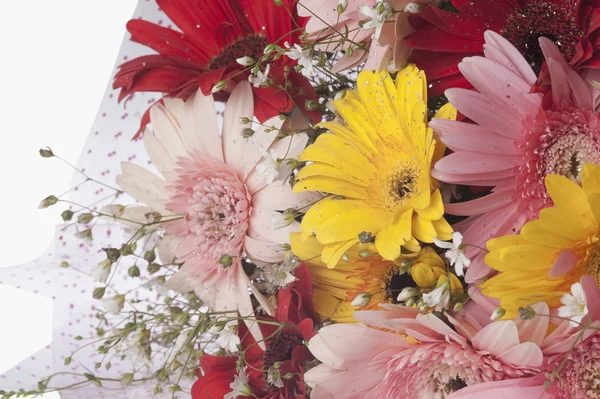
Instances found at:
x=407 y=293
x=412 y=8
x=362 y=299
x=245 y=61
x=498 y=313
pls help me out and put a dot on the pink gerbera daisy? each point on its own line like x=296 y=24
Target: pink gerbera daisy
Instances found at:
x=513 y=143
x=210 y=179
x=571 y=367
x=452 y=352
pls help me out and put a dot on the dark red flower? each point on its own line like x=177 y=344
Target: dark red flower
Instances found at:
x=443 y=37
x=219 y=372
x=212 y=35
x=284 y=347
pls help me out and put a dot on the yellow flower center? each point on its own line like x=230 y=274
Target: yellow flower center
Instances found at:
x=402 y=184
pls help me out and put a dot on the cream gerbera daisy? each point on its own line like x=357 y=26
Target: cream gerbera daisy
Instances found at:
x=376 y=167
x=210 y=179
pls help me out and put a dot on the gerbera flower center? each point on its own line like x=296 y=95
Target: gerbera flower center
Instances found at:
x=281 y=347
x=216 y=205
x=579 y=376
x=559 y=143
x=542 y=19
x=251 y=46
x=402 y=184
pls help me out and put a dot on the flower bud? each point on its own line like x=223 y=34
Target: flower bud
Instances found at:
x=64 y=264
x=66 y=215
x=311 y=105
x=221 y=84
x=247 y=132
x=133 y=271
x=412 y=8
x=226 y=261
x=127 y=250
x=98 y=293
x=270 y=48
x=85 y=218
x=112 y=254
x=67 y=361
x=46 y=153
x=407 y=293
x=498 y=313
x=365 y=237
x=48 y=201
x=127 y=379
x=150 y=256
x=527 y=313
x=244 y=120
x=278 y=2
x=342 y=5
x=362 y=299
x=245 y=61
x=285 y=247
x=409 y=303
x=458 y=306
x=153 y=268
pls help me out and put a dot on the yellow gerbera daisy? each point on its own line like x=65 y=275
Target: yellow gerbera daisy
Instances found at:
x=377 y=168
x=335 y=289
x=552 y=253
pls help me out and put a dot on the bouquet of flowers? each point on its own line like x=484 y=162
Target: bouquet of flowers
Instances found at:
x=353 y=199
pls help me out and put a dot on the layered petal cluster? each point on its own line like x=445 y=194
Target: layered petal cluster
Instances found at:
x=443 y=37
x=513 y=143
x=326 y=24
x=441 y=357
x=376 y=166
x=571 y=361
x=553 y=252
x=213 y=201
x=211 y=37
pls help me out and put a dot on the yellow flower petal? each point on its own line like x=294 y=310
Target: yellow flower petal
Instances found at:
x=567 y=224
x=498 y=243
x=333 y=252
x=423 y=229
x=394 y=235
x=435 y=210
x=537 y=232
x=567 y=195
x=335 y=220
x=526 y=257
x=590 y=178
x=443 y=229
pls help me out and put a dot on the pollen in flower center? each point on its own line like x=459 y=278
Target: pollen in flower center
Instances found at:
x=251 y=46
x=542 y=19
x=561 y=142
x=402 y=184
x=216 y=205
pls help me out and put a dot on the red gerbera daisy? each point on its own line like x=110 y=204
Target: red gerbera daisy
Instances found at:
x=444 y=36
x=212 y=36
x=286 y=349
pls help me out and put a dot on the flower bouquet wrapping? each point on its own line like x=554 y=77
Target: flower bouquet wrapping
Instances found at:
x=344 y=200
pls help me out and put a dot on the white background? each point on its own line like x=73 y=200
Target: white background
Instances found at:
x=56 y=58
